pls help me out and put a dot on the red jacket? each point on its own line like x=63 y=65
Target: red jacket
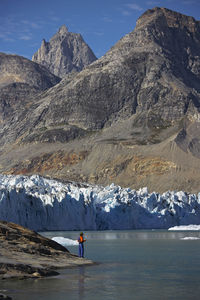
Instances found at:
x=81 y=240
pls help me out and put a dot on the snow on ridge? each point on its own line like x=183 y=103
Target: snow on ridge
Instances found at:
x=45 y=204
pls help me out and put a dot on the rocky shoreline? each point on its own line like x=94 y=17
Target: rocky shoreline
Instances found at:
x=26 y=254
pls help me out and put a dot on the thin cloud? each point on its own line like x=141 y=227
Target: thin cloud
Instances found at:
x=189 y=2
x=107 y=19
x=52 y=16
x=134 y=6
x=29 y=24
x=35 y=25
x=129 y=9
x=98 y=33
x=126 y=13
x=54 y=19
x=7 y=39
x=153 y=3
x=25 y=37
x=15 y=27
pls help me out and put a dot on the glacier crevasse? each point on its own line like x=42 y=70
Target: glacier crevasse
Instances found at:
x=43 y=204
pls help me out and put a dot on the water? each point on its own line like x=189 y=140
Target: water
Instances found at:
x=136 y=265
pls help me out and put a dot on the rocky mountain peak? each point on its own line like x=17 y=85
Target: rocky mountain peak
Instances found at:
x=170 y=18
x=63 y=30
x=64 y=53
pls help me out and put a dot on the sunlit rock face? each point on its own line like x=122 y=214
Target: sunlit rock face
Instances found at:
x=64 y=53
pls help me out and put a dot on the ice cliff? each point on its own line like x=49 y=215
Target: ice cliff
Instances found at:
x=43 y=204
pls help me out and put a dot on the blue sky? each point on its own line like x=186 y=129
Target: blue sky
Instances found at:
x=24 y=23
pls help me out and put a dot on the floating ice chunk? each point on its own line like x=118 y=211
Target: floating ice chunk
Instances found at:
x=190 y=238
x=65 y=241
x=185 y=227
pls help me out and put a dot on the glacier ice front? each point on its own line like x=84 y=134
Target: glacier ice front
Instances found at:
x=43 y=204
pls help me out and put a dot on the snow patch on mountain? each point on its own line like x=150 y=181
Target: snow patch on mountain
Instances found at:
x=43 y=204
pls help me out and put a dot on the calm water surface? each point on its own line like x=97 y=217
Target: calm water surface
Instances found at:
x=132 y=265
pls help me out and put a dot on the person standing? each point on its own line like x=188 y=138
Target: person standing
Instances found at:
x=81 y=241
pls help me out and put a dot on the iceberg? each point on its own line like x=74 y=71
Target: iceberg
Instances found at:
x=190 y=238
x=184 y=228
x=44 y=204
x=65 y=241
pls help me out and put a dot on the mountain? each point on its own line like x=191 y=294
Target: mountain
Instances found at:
x=17 y=69
x=64 y=53
x=20 y=79
x=131 y=117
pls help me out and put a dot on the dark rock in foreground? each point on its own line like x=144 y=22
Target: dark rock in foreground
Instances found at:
x=5 y=297
x=26 y=254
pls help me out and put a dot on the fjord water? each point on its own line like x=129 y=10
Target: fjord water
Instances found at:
x=132 y=265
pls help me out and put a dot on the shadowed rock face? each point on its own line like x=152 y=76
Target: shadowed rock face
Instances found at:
x=64 y=53
x=20 y=79
x=17 y=69
x=131 y=103
x=26 y=254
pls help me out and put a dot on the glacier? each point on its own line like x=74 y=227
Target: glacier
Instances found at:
x=45 y=204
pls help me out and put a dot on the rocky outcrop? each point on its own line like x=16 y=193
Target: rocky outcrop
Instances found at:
x=26 y=254
x=5 y=297
x=64 y=53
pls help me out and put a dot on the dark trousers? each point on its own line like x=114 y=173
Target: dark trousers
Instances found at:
x=81 y=250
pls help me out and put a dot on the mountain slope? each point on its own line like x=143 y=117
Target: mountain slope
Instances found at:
x=64 y=53
x=14 y=69
x=131 y=117
x=20 y=80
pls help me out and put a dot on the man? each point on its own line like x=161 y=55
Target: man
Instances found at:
x=81 y=246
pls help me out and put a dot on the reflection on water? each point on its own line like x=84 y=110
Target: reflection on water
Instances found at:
x=81 y=282
x=136 y=234
x=142 y=235
x=137 y=265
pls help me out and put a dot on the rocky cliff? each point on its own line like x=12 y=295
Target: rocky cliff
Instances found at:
x=64 y=53
x=26 y=254
x=131 y=117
